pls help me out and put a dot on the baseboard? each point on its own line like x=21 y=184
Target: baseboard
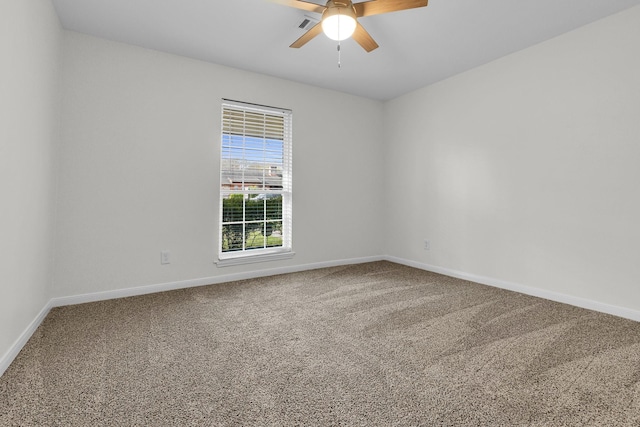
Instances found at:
x=183 y=284
x=527 y=290
x=13 y=351
x=9 y=355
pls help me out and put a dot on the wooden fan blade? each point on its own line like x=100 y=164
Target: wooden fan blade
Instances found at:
x=384 y=6
x=364 y=39
x=300 y=4
x=306 y=37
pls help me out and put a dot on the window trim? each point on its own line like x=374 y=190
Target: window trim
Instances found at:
x=285 y=251
x=254 y=258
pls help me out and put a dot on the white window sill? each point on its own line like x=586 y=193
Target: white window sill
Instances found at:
x=250 y=259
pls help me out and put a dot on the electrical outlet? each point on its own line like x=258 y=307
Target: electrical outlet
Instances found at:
x=165 y=257
x=427 y=245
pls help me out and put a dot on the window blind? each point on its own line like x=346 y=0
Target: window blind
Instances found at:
x=256 y=180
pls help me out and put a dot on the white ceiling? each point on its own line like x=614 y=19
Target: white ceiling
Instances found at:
x=417 y=47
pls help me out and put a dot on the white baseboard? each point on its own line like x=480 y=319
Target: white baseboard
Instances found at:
x=13 y=351
x=626 y=313
x=162 y=287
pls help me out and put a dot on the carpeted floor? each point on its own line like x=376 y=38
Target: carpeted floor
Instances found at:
x=374 y=344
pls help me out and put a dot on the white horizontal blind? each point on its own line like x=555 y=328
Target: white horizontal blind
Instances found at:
x=256 y=180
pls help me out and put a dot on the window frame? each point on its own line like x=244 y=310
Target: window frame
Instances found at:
x=251 y=255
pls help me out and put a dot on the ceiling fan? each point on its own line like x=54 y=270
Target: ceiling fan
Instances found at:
x=340 y=18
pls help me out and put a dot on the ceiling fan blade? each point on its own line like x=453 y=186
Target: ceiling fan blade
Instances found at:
x=306 y=37
x=301 y=4
x=384 y=6
x=364 y=39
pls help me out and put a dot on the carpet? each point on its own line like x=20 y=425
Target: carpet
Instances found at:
x=377 y=344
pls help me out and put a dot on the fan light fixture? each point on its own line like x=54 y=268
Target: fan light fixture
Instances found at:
x=339 y=18
x=338 y=21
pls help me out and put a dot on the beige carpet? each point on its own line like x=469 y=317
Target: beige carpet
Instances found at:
x=376 y=344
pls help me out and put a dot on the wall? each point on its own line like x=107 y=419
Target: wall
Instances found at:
x=29 y=43
x=139 y=168
x=525 y=170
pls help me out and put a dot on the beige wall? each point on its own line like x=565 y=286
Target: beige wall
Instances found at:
x=29 y=56
x=526 y=170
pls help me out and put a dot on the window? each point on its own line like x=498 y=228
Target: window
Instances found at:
x=255 y=183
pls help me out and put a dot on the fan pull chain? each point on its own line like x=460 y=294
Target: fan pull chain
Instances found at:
x=339 y=65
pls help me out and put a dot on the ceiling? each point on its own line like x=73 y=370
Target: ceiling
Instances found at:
x=417 y=47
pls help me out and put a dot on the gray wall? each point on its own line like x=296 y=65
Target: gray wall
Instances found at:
x=29 y=56
x=139 y=168
x=523 y=170
x=526 y=170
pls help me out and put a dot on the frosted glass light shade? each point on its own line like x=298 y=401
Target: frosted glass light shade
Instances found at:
x=338 y=24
